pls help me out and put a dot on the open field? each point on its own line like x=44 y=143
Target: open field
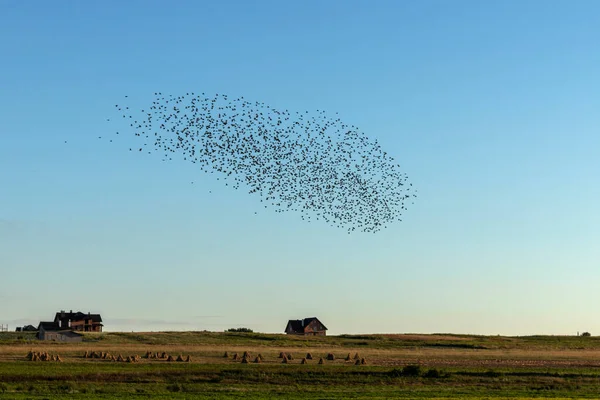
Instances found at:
x=449 y=366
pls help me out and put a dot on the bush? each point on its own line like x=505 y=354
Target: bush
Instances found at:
x=395 y=373
x=411 y=370
x=490 y=373
x=586 y=334
x=65 y=387
x=175 y=387
x=408 y=370
x=433 y=373
x=240 y=330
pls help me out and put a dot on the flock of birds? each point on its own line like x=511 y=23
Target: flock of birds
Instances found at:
x=308 y=163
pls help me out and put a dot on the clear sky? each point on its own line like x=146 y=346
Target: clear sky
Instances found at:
x=491 y=108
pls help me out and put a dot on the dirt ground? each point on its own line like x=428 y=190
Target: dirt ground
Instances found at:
x=429 y=357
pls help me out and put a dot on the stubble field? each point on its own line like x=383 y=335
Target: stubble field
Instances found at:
x=395 y=366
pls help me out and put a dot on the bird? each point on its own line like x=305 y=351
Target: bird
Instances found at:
x=295 y=161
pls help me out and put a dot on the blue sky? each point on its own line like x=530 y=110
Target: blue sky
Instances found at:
x=490 y=108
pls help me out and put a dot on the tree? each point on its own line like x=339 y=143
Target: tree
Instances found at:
x=240 y=330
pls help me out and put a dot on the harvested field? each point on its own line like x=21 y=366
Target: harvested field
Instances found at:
x=550 y=367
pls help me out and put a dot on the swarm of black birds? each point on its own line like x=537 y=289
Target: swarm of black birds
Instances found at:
x=306 y=162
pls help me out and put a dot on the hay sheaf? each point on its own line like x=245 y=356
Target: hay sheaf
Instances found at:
x=42 y=356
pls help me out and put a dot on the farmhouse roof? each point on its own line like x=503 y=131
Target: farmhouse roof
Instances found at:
x=77 y=316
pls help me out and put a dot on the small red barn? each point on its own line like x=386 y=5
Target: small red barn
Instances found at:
x=307 y=326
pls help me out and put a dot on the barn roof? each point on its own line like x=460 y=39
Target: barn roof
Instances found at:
x=311 y=319
x=48 y=326
x=298 y=325
x=70 y=333
x=29 y=328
